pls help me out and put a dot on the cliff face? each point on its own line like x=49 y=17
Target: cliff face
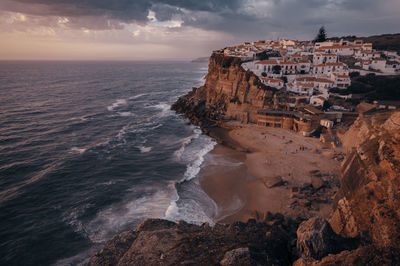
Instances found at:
x=369 y=197
x=229 y=92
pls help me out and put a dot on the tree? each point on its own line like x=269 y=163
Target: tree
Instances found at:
x=321 y=37
x=276 y=69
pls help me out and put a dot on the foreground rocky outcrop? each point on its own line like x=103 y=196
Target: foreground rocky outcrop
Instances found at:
x=161 y=242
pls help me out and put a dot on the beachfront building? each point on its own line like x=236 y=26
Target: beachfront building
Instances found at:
x=297 y=121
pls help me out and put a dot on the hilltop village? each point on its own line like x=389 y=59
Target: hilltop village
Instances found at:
x=315 y=78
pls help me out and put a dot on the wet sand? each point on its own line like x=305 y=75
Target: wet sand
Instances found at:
x=238 y=174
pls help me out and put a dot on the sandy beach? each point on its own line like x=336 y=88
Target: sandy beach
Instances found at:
x=260 y=169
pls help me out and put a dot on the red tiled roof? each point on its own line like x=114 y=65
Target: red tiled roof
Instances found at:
x=268 y=62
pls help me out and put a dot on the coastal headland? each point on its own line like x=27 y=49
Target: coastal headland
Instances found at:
x=283 y=198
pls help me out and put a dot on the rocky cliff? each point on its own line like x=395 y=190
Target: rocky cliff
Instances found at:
x=369 y=197
x=229 y=92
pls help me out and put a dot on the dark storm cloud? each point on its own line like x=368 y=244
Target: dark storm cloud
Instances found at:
x=245 y=17
x=136 y=10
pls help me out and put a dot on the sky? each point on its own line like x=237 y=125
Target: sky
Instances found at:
x=175 y=29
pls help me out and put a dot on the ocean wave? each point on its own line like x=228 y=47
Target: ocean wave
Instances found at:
x=197 y=209
x=164 y=107
x=117 y=104
x=71 y=217
x=193 y=167
x=186 y=141
x=128 y=214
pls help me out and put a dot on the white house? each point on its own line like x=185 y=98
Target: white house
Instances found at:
x=274 y=83
x=318 y=45
x=317 y=100
x=338 y=49
x=303 y=66
x=366 y=55
x=300 y=88
x=392 y=67
x=265 y=66
x=340 y=81
x=366 y=64
x=378 y=64
x=321 y=58
x=328 y=68
x=288 y=67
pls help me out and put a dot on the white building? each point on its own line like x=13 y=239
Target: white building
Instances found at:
x=340 y=81
x=321 y=58
x=378 y=64
x=338 y=49
x=265 y=66
x=303 y=66
x=300 y=88
x=317 y=100
x=288 y=68
x=328 y=68
x=274 y=83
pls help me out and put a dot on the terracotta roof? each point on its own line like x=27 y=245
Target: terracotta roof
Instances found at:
x=322 y=80
x=268 y=62
x=306 y=85
x=335 y=47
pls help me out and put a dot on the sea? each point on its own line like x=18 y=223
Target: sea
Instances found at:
x=91 y=149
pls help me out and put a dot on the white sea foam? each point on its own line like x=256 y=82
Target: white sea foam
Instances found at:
x=185 y=142
x=117 y=104
x=125 y=215
x=193 y=167
x=78 y=150
x=164 y=107
x=144 y=149
x=125 y=114
x=137 y=96
x=197 y=209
